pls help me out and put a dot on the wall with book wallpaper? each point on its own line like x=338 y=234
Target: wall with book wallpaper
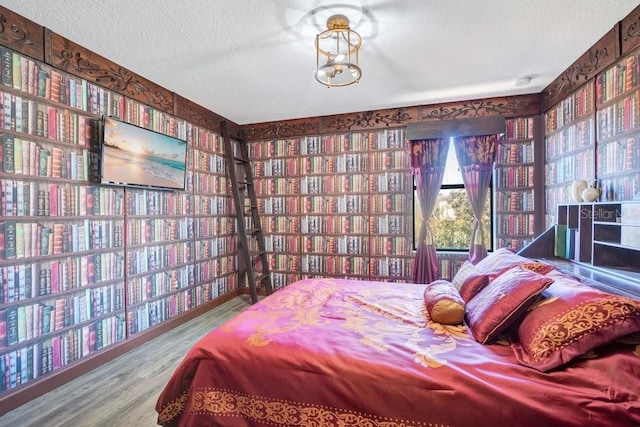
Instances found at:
x=341 y=204
x=594 y=135
x=617 y=93
x=516 y=221
x=86 y=267
x=336 y=205
x=591 y=124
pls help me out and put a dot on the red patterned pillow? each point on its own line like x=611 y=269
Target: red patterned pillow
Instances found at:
x=443 y=303
x=537 y=266
x=573 y=319
x=503 y=301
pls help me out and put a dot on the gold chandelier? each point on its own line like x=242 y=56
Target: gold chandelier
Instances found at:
x=339 y=44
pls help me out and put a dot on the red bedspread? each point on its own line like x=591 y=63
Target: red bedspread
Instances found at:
x=327 y=352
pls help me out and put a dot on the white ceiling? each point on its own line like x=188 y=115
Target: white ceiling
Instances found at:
x=252 y=61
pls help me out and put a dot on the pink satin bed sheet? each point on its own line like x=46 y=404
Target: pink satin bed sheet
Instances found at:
x=332 y=352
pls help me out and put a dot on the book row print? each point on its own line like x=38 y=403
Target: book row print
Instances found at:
x=26 y=158
x=572 y=138
x=149 y=202
x=30 y=362
x=32 y=321
x=160 y=283
x=574 y=107
x=46 y=121
x=29 y=198
x=151 y=313
x=619 y=118
x=618 y=80
x=356 y=183
x=382 y=140
x=520 y=128
x=26 y=281
x=19 y=240
x=619 y=156
x=142 y=231
x=150 y=258
x=348 y=265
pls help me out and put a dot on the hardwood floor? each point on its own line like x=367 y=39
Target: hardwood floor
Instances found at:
x=122 y=392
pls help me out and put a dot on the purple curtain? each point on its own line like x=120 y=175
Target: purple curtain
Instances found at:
x=476 y=156
x=428 y=160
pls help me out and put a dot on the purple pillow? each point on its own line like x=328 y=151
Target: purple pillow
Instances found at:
x=503 y=301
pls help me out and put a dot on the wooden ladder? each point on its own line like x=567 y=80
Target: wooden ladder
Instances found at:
x=253 y=265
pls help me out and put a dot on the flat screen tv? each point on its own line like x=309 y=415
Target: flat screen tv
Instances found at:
x=134 y=156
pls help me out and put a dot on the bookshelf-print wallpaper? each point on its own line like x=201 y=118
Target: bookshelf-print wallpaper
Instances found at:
x=618 y=128
x=569 y=146
x=85 y=266
x=514 y=183
x=336 y=205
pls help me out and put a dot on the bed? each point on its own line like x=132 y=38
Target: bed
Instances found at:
x=339 y=352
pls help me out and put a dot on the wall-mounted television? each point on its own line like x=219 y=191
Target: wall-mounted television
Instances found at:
x=134 y=156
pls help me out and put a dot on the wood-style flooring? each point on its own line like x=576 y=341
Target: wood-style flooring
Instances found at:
x=122 y=392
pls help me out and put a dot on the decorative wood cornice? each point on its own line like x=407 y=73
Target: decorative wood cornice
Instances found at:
x=281 y=129
x=601 y=55
x=509 y=106
x=630 y=31
x=522 y=105
x=369 y=120
x=21 y=34
x=196 y=114
x=83 y=63
x=200 y=116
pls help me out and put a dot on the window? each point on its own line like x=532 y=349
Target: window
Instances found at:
x=452 y=217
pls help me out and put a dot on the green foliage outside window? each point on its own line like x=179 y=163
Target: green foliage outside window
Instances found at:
x=452 y=220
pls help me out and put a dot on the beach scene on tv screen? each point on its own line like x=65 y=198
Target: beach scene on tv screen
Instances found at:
x=136 y=156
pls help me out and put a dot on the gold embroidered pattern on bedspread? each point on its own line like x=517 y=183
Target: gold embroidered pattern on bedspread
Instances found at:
x=173 y=409
x=377 y=315
x=226 y=403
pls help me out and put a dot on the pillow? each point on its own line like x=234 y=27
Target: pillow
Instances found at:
x=492 y=266
x=573 y=319
x=537 y=266
x=475 y=282
x=472 y=285
x=443 y=303
x=503 y=301
x=465 y=270
x=499 y=260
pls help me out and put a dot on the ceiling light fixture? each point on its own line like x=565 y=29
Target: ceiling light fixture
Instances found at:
x=339 y=44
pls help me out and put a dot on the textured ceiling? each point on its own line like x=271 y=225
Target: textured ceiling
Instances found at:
x=252 y=61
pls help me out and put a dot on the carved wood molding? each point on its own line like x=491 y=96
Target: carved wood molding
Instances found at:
x=369 y=120
x=281 y=129
x=601 y=55
x=83 y=63
x=630 y=31
x=522 y=105
x=21 y=34
x=200 y=116
x=509 y=106
x=196 y=114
